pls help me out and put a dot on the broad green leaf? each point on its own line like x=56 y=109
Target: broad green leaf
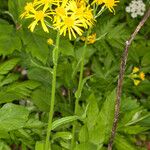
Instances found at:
x=63 y=135
x=86 y=146
x=13 y=117
x=39 y=145
x=101 y=131
x=93 y=111
x=9 y=41
x=16 y=8
x=6 y=66
x=41 y=98
x=136 y=129
x=9 y=79
x=83 y=134
x=63 y=121
x=36 y=45
x=121 y=143
x=4 y=146
x=17 y=91
x=146 y=59
x=66 y=48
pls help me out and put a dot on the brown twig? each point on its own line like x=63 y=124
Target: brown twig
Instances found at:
x=121 y=75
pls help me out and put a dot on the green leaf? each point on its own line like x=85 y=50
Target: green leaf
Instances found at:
x=83 y=134
x=16 y=8
x=86 y=146
x=4 y=146
x=36 y=45
x=63 y=121
x=6 y=66
x=121 y=143
x=101 y=131
x=39 y=145
x=17 y=91
x=9 y=41
x=63 y=135
x=93 y=111
x=41 y=98
x=136 y=129
x=146 y=60
x=66 y=48
x=13 y=117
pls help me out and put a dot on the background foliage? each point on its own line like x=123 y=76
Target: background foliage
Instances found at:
x=25 y=98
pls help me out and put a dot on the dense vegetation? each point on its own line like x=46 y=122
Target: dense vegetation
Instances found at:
x=26 y=72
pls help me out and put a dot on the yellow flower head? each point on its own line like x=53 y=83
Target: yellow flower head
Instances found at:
x=142 y=76
x=90 y=39
x=110 y=4
x=98 y=2
x=135 y=70
x=38 y=16
x=50 y=41
x=28 y=8
x=73 y=19
x=136 y=82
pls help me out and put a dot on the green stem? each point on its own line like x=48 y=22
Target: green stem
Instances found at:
x=51 y=112
x=79 y=90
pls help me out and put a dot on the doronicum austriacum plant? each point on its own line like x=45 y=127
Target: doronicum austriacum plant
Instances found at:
x=67 y=17
x=59 y=66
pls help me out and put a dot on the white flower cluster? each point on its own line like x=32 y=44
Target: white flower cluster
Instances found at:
x=136 y=7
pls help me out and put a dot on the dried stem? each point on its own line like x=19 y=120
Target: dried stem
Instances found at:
x=121 y=76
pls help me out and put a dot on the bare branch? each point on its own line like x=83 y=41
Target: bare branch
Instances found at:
x=121 y=76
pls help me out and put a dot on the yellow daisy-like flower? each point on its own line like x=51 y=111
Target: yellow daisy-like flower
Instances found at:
x=47 y=3
x=142 y=76
x=136 y=82
x=72 y=20
x=110 y=4
x=90 y=39
x=28 y=8
x=70 y=24
x=135 y=70
x=38 y=16
x=83 y=12
x=98 y=2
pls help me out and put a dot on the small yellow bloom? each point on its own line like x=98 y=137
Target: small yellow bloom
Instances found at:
x=28 y=8
x=110 y=4
x=135 y=70
x=142 y=76
x=91 y=38
x=50 y=41
x=136 y=82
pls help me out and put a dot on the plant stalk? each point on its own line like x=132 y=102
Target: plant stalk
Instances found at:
x=53 y=91
x=79 y=90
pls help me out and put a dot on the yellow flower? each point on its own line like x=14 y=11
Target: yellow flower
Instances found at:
x=135 y=70
x=91 y=38
x=28 y=8
x=47 y=3
x=99 y=2
x=136 y=82
x=50 y=41
x=70 y=24
x=83 y=12
x=38 y=16
x=71 y=19
x=110 y=4
x=142 y=76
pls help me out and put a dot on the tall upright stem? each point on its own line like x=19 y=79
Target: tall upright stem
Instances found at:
x=53 y=91
x=79 y=90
